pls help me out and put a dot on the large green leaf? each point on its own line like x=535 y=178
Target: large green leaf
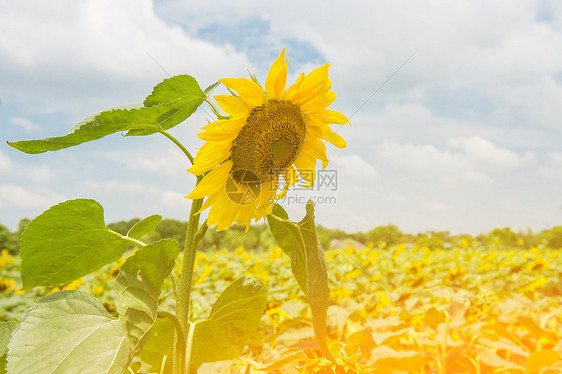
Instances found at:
x=138 y=287
x=299 y=241
x=66 y=242
x=68 y=332
x=158 y=346
x=6 y=329
x=170 y=103
x=233 y=321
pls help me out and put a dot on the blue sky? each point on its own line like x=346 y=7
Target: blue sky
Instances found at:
x=465 y=137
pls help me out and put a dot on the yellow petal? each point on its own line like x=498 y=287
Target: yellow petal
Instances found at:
x=249 y=91
x=314 y=84
x=227 y=216
x=328 y=116
x=314 y=146
x=293 y=89
x=277 y=77
x=209 y=201
x=283 y=192
x=217 y=212
x=245 y=215
x=233 y=105
x=265 y=199
x=291 y=176
x=324 y=131
x=319 y=102
x=212 y=181
x=210 y=155
x=222 y=130
x=305 y=163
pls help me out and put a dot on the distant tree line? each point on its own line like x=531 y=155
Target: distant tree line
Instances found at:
x=259 y=236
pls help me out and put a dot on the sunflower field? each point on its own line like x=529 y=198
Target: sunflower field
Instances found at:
x=463 y=307
x=83 y=297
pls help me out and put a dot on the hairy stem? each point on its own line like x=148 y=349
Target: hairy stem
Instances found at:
x=188 y=263
x=189 y=346
x=177 y=142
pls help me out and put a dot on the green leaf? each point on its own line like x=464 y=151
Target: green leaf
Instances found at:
x=6 y=329
x=159 y=345
x=283 y=230
x=232 y=323
x=68 y=332
x=138 y=287
x=173 y=89
x=180 y=95
x=210 y=89
x=299 y=241
x=170 y=103
x=66 y=242
x=144 y=226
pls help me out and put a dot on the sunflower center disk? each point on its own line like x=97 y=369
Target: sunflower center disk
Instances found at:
x=269 y=142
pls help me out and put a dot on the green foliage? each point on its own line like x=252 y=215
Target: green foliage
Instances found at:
x=171 y=102
x=552 y=237
x=66 y=242
x=8 y=240
x=326 y=235
x=138 y=287
x=258 y=237
x=504 y=236
x=158 y=346
x=61 y=332
x=432 y=242
x=123 y=227
x=232 y=323
x=299 y=242
x=6 y=329
x=144 y=227
x=389 y=234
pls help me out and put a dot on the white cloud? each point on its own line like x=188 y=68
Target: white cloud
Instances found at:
x=478 y=150
x=172 y=198
x=5 y=163
x=37 y=173
x=120 y=187
x=352 y=166
x=26 y=124
x=28 y=173
x=553 y=169
x=64 y=56
x=174 y=204
x=468 y=159
x=167 y=161
x=14 y=196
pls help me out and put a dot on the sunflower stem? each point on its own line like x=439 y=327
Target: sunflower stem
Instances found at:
x=177 y=142
x=184 y=291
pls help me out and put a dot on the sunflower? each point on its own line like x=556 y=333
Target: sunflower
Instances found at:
x=266 y=134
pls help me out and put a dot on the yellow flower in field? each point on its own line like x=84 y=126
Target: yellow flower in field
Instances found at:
x=7 y=285
x=267 y=134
